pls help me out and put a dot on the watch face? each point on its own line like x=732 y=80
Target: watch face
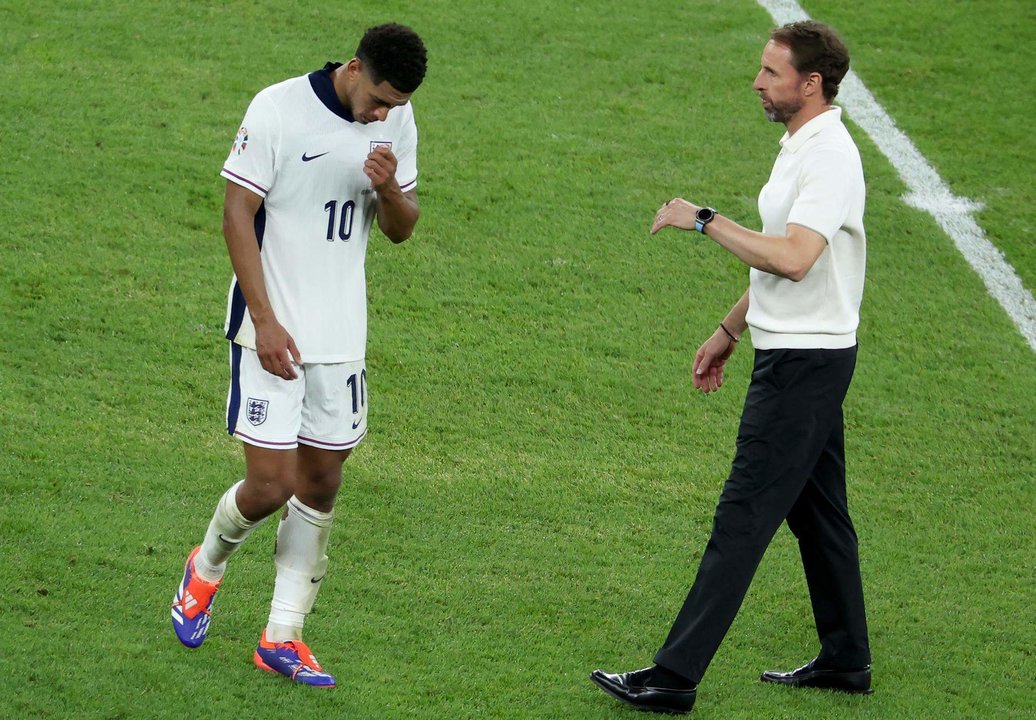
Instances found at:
x=705 y=215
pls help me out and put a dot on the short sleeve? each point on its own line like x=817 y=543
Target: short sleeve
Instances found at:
x=406 y=155
x=824 y=192
x=252 y=156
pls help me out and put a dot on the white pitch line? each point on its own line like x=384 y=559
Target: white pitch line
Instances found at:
x=928 y=191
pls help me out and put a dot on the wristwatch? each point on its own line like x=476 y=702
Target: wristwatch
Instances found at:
x=702 y=218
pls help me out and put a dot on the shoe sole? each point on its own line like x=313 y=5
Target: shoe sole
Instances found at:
x=257 y=659
x=817 y=683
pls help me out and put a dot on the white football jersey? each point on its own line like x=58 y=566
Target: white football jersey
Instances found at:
x=300 y=150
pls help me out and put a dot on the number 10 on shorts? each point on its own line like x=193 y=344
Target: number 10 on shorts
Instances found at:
x=358 y=387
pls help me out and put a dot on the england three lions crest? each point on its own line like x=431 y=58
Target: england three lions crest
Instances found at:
x=256 y=410
x=380 y=143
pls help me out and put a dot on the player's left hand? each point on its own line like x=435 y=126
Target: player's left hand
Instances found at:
x=380 y=167
x=676 y=213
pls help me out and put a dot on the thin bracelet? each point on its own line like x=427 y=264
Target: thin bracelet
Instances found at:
x=729 y=334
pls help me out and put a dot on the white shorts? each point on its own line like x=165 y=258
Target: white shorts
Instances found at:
x=325 y=407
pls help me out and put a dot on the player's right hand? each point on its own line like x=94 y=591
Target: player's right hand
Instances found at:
x=277 y=351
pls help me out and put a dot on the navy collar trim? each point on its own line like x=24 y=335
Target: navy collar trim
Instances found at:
x=324 y=88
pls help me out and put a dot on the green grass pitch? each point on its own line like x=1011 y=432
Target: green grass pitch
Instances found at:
x=539 y=479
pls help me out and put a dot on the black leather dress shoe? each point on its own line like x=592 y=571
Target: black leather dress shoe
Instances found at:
x=636 y=689
x=809 y=676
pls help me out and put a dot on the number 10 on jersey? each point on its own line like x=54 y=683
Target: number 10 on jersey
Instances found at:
x=343 y=220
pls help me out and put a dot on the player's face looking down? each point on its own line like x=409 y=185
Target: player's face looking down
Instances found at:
x=366 y=101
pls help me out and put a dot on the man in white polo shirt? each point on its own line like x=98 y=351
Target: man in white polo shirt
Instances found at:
x=802 y=307
x=317 y=160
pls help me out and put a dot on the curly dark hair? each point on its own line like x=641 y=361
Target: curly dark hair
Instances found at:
x=394 y=53
x=815 y=47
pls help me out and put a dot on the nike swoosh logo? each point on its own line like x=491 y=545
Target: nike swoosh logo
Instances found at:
x=229 y=542
x=307 y=158
x=316 y=580
x=357 y=424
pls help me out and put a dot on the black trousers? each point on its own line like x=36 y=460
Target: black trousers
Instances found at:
x=789 y=465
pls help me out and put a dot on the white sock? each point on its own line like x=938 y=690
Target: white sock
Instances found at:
x=301 y=563
x=227 y=530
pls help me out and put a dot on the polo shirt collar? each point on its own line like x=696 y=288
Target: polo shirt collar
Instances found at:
x=324 y=87
x=821 y=122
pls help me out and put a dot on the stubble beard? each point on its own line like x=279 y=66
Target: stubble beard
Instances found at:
x=782 y=112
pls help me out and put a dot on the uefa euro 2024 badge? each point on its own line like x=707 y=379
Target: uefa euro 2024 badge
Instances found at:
x=240 y=142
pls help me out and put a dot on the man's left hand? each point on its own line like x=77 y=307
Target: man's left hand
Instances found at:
x=380 y=167
x=676 y=213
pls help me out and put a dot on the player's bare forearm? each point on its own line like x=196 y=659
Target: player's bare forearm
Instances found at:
x=398 y=213
x=239 y=209
x=397 y=210
x=274 y=346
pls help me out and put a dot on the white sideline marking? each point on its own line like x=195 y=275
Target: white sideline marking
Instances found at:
x=928 y=191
